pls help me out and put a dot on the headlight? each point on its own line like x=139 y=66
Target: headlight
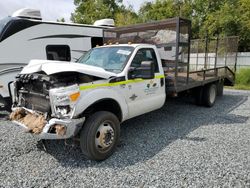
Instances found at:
x=63 y=100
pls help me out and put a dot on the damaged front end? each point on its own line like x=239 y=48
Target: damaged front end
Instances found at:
x=44 y=104
x=37 y=124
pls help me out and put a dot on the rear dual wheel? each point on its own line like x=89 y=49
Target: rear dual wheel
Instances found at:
x=209 y=95
x=220 y=88
x=206 y=95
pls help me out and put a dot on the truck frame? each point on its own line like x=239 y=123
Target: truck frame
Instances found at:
x=128 y=76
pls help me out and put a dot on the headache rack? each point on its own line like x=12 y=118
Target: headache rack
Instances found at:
x=187 y=63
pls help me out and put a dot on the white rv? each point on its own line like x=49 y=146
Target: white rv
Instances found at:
x=24 y=36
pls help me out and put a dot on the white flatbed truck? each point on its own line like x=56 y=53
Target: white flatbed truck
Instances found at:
x=107 y=86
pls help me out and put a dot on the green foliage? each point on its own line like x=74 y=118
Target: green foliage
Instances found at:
x=209 y=17
x=242 y=87
x=162 y=9
x=126 y=16
x=88 y=11
x=243 y=77
x=244 y=17
x=60 y=20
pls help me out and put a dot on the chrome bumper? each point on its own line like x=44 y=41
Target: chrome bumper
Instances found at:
x=73 y=126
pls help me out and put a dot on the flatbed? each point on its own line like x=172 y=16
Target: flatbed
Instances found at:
x=175 y=47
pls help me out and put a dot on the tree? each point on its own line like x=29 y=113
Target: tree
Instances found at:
x=244 y=12
x=209 y=17
x=157 y=10
x=126 y=16
x=215 y=17
x=162 y=9
x=88 y=11
x=60 y=20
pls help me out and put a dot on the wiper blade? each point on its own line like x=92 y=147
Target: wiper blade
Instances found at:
x=109 y=69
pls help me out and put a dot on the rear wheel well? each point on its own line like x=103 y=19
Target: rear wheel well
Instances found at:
x=109 y=105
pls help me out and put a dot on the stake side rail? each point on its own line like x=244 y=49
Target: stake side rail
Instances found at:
x=200 y=78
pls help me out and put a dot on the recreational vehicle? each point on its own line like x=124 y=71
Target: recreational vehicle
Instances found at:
x=25 y=36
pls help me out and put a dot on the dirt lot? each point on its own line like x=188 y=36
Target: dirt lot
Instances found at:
x=180 y=145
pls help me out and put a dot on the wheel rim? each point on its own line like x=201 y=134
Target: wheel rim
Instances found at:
x=212 y=95
x=104 y=136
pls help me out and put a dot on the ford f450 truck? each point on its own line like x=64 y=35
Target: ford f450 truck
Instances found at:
x=108 y=85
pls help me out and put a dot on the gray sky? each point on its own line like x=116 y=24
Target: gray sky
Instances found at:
x=50 y=9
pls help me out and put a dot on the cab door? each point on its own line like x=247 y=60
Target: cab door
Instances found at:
x=145 y=95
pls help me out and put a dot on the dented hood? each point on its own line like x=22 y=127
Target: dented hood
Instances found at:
x=53 y=67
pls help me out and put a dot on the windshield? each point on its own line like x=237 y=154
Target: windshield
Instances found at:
x=112 y=59
x=3 y=22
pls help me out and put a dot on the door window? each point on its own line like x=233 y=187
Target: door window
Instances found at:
x=145 y=54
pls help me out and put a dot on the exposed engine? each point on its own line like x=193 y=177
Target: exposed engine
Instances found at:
x=32 y=90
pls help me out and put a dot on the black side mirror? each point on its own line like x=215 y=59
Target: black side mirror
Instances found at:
x=145 y=71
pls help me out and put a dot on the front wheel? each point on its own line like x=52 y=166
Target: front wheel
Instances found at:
x=100 y=135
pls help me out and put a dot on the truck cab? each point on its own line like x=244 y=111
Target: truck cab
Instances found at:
x=139 y=75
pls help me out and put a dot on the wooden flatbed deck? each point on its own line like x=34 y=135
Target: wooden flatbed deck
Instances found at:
x=185 y=81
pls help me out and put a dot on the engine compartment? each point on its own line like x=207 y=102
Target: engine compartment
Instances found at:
x=32 y=90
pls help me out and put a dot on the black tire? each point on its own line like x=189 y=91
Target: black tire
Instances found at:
x=209 y=95
x=100 y=126
x=7 y=102
x=220 y=88
x=197 y=94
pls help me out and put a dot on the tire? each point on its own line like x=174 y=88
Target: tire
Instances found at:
x=209 y=95
x=7 y=102
x=220 y=88
x=197 y=94
x=100 y=135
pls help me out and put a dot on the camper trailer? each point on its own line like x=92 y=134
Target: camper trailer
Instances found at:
x=25 y=36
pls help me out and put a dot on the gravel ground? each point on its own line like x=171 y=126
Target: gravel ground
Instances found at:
x=180 y=145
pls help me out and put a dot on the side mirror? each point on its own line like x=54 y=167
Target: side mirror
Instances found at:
x=145 y=71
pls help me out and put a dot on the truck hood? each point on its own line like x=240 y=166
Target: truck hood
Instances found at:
x=53 y=67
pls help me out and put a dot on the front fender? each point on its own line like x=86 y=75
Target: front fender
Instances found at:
x=89 y=97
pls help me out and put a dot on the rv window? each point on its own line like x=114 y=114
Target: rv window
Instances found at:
x=3 y=22
x=58 y=52
x=96 y=41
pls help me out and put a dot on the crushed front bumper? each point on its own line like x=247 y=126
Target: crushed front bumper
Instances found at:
x=72 y=127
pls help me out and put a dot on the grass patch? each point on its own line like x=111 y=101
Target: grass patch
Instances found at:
x=242 y=79
x=242 y=87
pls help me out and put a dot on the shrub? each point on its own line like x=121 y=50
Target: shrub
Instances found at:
x=243 y=77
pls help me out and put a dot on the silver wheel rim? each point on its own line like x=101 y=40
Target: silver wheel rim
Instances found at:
x=212 y=95
x=104 y=136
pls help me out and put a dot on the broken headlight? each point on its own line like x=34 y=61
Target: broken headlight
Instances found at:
x=63 y=100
